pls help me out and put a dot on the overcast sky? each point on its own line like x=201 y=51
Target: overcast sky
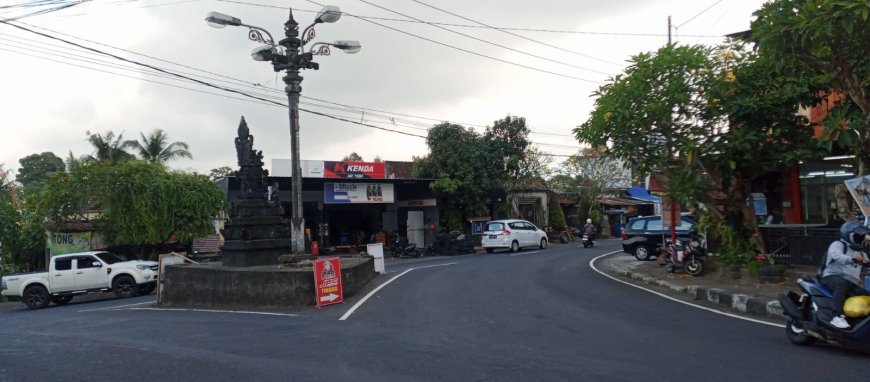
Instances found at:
x=543 y=63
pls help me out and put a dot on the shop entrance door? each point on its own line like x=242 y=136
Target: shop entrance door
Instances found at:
x=416 y=228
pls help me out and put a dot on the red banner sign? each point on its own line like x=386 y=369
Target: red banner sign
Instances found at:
x=353 y=170
x=327 y=281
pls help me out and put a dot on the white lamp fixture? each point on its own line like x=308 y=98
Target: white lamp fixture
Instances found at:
x=348 y=46
x=220 y=20
x=329 y=14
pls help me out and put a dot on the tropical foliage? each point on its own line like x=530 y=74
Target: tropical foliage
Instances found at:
x=156 y=148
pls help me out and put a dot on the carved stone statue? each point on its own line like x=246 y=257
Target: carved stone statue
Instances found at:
x=245 y=144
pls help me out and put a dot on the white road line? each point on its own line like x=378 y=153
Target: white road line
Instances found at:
x=372 y=293
x=216 y=311
x=523 y=253
x=592 y=265
x=118 y=306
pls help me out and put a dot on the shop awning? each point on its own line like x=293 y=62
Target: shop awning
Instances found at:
x=621 y=202
x=640 y=193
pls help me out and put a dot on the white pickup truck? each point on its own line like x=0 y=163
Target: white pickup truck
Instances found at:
x=79 y=273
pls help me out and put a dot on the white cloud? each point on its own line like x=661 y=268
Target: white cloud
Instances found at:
x=47 y=106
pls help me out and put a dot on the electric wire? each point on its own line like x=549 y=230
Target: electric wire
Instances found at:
x=515 y=35
x=488 y=42
x=480 y=27
x=699 y=13
x=468 y=51
x=270 y=100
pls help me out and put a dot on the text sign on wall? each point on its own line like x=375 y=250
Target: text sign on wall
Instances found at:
x=327 y=281
x=60 y=243
x=340 y=193
x=353 y=170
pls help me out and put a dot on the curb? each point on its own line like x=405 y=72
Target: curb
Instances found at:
x=739 y=302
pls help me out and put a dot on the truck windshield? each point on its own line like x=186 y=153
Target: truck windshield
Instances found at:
x=110 y=258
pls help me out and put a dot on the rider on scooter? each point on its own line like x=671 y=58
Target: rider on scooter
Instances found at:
x=842 y=274
x=589 y=229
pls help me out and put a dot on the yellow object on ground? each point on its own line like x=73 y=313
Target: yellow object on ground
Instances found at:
x=857 y=306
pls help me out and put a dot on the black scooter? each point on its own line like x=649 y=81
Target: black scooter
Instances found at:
x=588 y=241
x=809 y=315
x=404 y=249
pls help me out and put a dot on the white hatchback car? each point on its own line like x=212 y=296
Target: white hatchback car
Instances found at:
x=512 y=234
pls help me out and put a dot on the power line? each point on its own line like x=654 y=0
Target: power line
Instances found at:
x=174 y=76
x=481 y=27
x=489 y=42
x=515 y=35
x=699 y=13
x=469 y=51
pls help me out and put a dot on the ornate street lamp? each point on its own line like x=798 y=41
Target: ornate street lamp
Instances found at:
x=289 y=55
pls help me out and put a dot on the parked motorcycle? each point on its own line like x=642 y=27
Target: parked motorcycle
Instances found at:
x=809 y=315
x=688 y=256
x=403 y=249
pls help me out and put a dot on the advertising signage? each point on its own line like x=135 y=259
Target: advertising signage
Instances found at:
x=327 y=278
x=353 y=170
x=355 y=193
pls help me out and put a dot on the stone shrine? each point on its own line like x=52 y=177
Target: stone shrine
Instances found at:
x=256 y=233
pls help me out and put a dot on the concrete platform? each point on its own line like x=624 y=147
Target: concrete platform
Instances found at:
x=218 y=286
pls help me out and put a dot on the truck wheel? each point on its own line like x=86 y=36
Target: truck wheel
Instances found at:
x=62 y=300
x=125 y=286
x=146 y=289
x=36 y=297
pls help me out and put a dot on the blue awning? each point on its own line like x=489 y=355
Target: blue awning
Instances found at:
x=641 y=193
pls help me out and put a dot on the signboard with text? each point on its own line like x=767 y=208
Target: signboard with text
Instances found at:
x=353 y=170
x=859 y=188
x=60 y=243
x=356 y=193
x=327 y=281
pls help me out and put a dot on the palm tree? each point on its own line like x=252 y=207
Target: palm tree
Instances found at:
x=154 y=148
x=108 y=148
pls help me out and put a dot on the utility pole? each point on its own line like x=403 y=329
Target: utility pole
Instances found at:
x=669 y=30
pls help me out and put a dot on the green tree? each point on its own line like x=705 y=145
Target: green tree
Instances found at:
x=707 y=120
x=352 y=157
x=156 y=148
x=109 y=148
x=142 y=202
x=37 y=168
x=557 y=216
x=220 y=172
x=459 y=165
x=507 y=142
x=591 y=174
x=825 y=43
x=72 y=161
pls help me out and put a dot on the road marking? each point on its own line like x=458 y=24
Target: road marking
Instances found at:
x=427 y=266
x=216 y=311
x=524 y=253
x=118 y=306
x=372 y=293
x=592 y=265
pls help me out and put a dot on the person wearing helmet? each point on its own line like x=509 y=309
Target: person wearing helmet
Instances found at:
x=589 y=229
x=842 y=274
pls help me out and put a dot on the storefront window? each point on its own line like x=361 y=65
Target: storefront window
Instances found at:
x=818 y=182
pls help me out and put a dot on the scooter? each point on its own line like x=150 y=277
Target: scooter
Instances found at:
x=688 y=257
x=809 y=314
x=404 y=250
x=587 y=241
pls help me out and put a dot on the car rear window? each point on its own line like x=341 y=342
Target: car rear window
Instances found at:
x=637 y=224
x=495 y=227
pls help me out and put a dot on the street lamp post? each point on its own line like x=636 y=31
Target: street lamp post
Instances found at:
x=290 y=56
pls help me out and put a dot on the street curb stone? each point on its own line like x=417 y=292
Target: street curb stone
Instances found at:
x=739 y=302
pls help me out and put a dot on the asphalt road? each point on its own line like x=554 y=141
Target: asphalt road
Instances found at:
x=542 y=315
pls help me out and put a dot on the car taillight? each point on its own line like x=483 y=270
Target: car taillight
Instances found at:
x=505 y=232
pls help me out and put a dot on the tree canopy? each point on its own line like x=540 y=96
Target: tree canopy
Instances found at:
x=825 y=43
x=37 y=168
x=108 y=147
x=352 y=157
x=140 y=202
x=156 y=148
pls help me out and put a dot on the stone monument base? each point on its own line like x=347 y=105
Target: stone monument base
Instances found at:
x=268 y=286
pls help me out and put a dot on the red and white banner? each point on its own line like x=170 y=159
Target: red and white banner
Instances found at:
x=353 y=170
x=327 y=281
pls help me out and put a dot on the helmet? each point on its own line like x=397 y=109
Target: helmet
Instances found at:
x=853 y=234
x=588 y=221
